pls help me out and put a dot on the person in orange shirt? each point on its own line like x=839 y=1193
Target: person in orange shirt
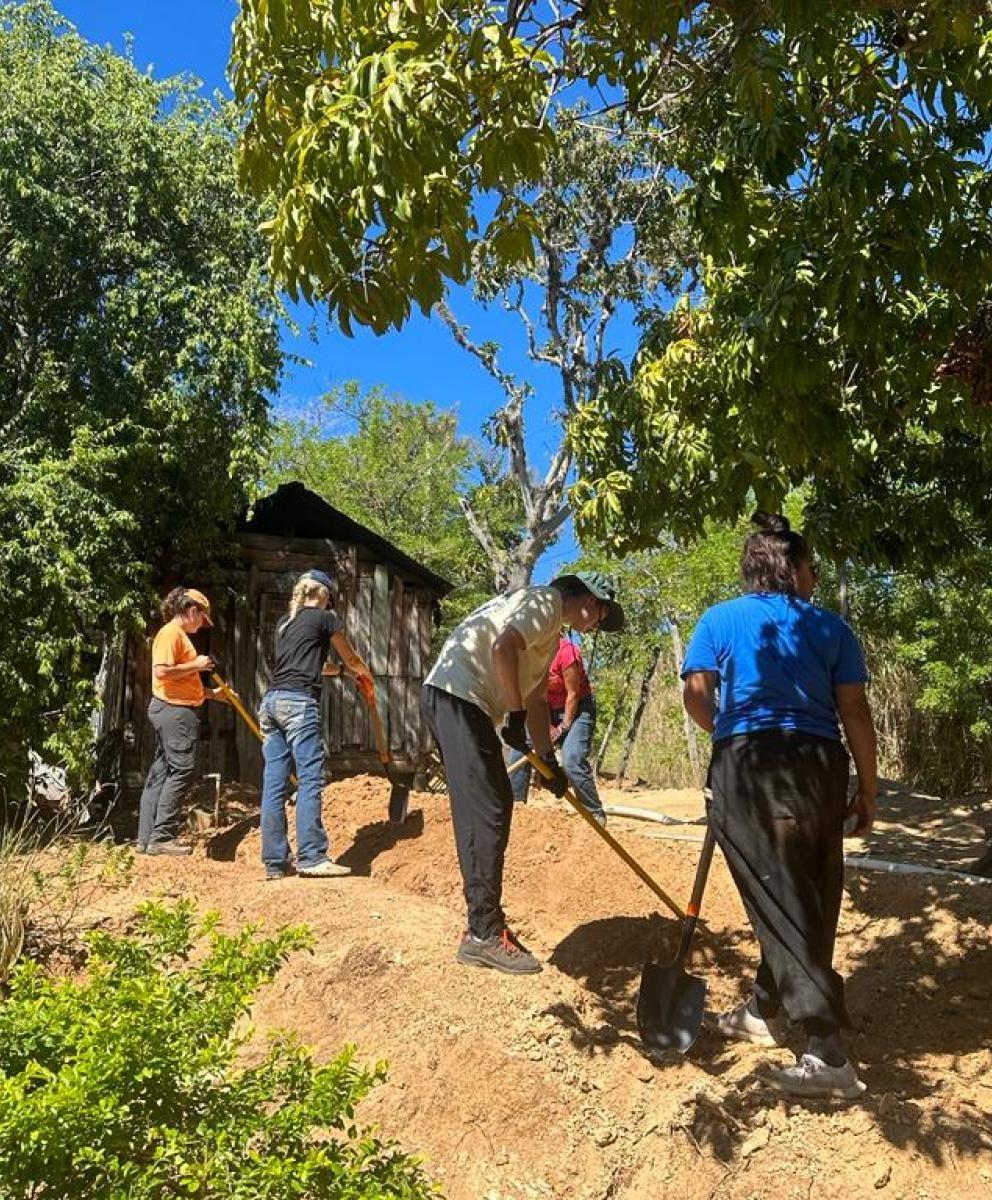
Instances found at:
x=177 y=693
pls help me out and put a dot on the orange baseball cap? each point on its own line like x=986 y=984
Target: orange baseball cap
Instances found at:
x=198 y=598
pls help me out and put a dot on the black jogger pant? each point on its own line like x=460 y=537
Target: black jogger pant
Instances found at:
x=777 y=813
x=170 y=777
x=481 y=801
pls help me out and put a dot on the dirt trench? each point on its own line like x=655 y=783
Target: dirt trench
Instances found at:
x=537 y=1087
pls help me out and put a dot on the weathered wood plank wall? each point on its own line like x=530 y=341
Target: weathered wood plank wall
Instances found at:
x=387 y=618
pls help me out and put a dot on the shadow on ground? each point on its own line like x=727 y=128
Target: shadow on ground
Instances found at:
x=918 y=960
x=377 y=837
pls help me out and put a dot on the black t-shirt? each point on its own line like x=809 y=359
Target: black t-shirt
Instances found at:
x=301 y=649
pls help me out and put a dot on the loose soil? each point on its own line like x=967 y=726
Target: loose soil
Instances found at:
x=538 y=1087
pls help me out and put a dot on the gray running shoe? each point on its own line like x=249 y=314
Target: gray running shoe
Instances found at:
x=169 y=849
x=741 y=1025
x=814 y=1078
x=328 y=869
x=503 y=952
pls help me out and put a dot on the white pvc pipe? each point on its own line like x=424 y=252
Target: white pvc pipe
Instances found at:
x=897 y=868
x=857 y=861
x=647 y=814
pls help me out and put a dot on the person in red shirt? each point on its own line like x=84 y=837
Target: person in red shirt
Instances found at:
x=573 y=727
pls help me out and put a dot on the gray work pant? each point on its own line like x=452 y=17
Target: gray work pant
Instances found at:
x=170 y=776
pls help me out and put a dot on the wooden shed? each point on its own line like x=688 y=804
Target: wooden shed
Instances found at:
x=386 y=600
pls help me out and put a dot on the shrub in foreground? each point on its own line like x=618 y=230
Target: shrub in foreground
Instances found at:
x=126 y=1084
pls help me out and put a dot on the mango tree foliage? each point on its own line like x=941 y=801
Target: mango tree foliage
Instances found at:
x=829 y=158
x=138 y=339
x=373 y=125
x=841 y=200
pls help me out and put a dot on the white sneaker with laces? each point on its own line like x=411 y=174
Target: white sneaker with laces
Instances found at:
x=812 y=1077
x=741 y=1025
x=327 y=869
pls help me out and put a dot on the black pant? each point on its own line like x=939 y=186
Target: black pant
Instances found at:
x=170 y=777
x=777 y=814
x=481 y=801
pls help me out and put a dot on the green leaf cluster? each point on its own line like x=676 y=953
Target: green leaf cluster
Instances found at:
x=372 y=124
x=927 y=642
x=138 y=341
x=127 y=1083
x=400 y=468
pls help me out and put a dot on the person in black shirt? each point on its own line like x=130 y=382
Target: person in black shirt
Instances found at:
x=290 y=719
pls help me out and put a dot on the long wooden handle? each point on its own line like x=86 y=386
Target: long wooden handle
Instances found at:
x=232 y=697
x=380 y=734
x=696 y=899
x=610 y=840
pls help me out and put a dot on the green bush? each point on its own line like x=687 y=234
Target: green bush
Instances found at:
x=125 y=1084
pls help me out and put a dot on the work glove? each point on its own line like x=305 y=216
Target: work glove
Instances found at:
x=514 y=730
x=558 y=783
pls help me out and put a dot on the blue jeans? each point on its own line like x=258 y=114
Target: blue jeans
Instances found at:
x=290 y=724
x=573 y=754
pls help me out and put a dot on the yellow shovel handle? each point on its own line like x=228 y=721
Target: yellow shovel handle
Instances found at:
x=235 y=701
x=608 y=837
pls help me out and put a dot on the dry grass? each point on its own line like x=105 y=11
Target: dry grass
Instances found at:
x=47 y=880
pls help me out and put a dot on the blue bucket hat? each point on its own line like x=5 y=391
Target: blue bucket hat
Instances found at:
x=320 y=577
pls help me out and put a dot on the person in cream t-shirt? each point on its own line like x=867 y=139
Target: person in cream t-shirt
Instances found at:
x=492 y=673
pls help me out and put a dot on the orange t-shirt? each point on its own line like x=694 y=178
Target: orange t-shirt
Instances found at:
x=171 y=648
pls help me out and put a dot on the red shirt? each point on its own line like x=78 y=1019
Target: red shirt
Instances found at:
x=567 y=655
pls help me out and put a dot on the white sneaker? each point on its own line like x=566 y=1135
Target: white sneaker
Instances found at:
x=741 y=1025
x=811 y=1076
x=328 y=869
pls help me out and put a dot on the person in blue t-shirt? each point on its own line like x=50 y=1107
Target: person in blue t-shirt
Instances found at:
x=774 y=678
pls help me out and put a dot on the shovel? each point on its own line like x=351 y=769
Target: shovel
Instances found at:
x=670 y=1002
x=399 y=791
x=542 y=768
x=235 y=701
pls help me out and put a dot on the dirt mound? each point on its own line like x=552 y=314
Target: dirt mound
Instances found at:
x=537 y=1087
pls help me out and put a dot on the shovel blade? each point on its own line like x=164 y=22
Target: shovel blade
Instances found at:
x=399 y=802
x=670 y=1005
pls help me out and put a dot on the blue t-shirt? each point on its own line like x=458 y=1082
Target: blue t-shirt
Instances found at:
x=779 y=659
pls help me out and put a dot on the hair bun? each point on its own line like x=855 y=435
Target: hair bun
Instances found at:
x=771 y=522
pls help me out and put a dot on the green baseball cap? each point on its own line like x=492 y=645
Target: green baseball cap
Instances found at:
x=603 y=587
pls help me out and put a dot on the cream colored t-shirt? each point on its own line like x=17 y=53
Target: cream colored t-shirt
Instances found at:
x=465 y=665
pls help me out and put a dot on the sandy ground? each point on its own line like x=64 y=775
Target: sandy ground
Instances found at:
x=538 y=1087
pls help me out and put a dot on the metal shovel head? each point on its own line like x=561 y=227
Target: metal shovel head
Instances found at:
x=670 y=1006
x=399 y=801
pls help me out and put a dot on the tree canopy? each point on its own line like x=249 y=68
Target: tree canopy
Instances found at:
x=829 y=160
x=138 y=340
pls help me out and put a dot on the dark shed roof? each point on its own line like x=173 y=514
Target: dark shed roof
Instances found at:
x=292 y=510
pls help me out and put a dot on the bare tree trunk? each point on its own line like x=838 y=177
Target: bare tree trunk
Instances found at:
x=544 y=499
x=691 y=737
x=638 y=713
x=845 y=600
x=601 y=752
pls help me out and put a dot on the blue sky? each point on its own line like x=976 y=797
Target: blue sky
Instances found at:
x=421 y=362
